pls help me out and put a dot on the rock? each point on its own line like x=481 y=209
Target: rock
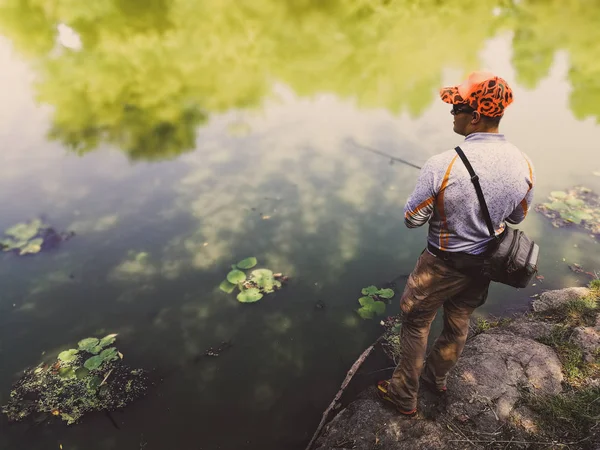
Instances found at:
x=368 y=423
x=588 y=339
x=483 y=391
x=553 y=299
x=493 y=367
x=525 y=327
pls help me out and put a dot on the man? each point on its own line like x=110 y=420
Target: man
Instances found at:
x=448 y=272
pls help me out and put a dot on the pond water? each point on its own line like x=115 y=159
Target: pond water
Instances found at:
x=201 y=134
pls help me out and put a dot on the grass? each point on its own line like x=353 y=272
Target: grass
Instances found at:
x=570 y=415
x=574 y=413
x=576 y=313
x=575 y=368
x=483 y=325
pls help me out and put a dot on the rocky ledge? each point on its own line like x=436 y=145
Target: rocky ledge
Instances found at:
x=523 y=383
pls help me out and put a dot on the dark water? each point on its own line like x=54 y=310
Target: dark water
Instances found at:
x=169 y=129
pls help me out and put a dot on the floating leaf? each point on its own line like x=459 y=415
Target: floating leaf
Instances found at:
x=247 y=263
x=233 y=267
x=226 y=287
x=24 y=231
x=557 y=206
x=88 y=344
x=365 y=313
x=378 y=307
x=249 y=295
x=107 y=340
x=385 y=293
x=558 y=195
x=10 y=244
x=68 y=355
x=365 y=301
x=369 y=290
x=32 y=247
x=81 y=372
x=576 y=216
x=66 y=372
x=93 y=363
x=574 y=202
x=236 y=276
x=370 y=308
x=94 y=382
x=110 y=354
x=264 y=279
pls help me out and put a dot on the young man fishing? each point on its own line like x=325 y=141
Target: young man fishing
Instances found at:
x=448 y=273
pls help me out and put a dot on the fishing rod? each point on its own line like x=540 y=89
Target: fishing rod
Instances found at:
x=380 y=153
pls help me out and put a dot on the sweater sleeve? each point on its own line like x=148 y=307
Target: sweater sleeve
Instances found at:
x=520 y=212
x=420 y=204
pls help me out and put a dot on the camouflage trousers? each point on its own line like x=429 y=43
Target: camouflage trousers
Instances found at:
x=435 y=283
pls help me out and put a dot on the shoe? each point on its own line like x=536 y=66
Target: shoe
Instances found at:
x=382 y=391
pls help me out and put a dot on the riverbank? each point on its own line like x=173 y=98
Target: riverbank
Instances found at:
x=527 y=382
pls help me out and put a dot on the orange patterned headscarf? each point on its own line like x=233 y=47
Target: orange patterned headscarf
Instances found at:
x=482 y=91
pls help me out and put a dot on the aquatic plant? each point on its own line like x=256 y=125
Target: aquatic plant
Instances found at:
x=88 y=378
x=247 y=263
x=31 y=237
x=253 y=286
x=249 y=295
x=578 y=206
x=371 y=304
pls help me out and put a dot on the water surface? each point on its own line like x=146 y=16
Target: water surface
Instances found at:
x=175 y=129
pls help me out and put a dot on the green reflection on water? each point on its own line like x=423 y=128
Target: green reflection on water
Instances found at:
x=150 y=73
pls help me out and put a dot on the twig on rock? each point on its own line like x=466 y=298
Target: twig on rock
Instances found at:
x=361 y=359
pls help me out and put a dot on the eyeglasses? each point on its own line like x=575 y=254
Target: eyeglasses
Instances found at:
x=458 y=110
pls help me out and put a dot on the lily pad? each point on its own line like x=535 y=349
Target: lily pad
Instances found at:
x=264 y=279
x=9 y=245
x=580 y=207
x=93 y=363
x=94 y=382
x=385 y=293
x=574 y=202
x=370 y=290
x=559 y=194
x=81 y=372
x=378 y=307
x=557 y=206
x=370 y=308
x=576 y=216
x=110 y=354
x=88 y=344
x=365 y=313
x=24 y=231
x=236 y=276
x=249 y=295
x=365 y=301
x=32 y=247
x=247 y=263
x=66 y=372
x=227 y=287
x=107 y=340
x=68 y=355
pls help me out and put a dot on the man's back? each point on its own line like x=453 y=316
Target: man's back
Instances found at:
x=445 y=188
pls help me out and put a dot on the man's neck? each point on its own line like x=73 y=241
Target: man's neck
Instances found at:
x=486 y=130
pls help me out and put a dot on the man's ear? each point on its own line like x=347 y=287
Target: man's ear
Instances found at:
x=476 y=118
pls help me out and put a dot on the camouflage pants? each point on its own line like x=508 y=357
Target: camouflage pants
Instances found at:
x=435 y=282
